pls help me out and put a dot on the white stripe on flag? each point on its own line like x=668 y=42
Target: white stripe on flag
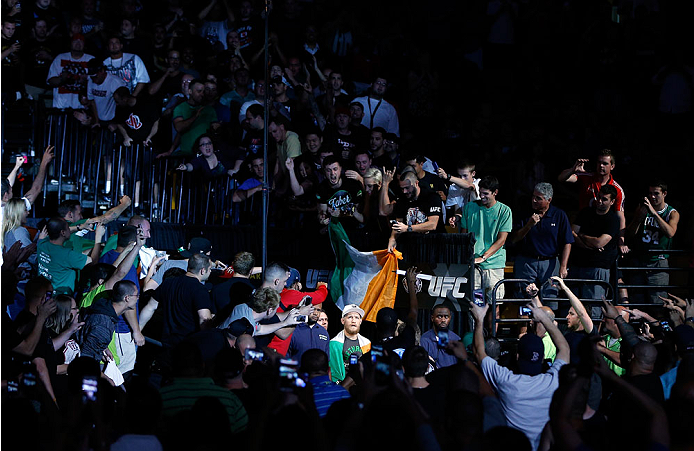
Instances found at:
x=355 y=285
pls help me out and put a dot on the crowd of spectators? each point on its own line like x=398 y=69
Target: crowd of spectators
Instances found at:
x=108 y=343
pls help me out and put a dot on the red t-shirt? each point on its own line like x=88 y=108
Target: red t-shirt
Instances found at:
x=589 y=188
x=289 y=299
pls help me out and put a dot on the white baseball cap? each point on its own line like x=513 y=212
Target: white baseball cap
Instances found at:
x=352 y=308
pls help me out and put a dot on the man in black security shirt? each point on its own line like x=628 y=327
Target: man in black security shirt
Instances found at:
x=339 y=199
x=419 y=211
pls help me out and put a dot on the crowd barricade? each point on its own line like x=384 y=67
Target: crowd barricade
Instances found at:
x=592 y=305
x=638 y=291
x=93 y=166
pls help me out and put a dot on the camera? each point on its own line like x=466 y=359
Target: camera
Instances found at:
x=393 y=222
x=90 y=387
x=442 y=335
x=301 y=318
x=253 y=354
x=289 y=375
x=525 y=311
x=666 y=326
x=478 y=298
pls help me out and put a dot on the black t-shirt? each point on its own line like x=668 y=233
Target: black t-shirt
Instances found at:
x=181 y=297
x=38 y=57
x=170 y=86
x=211 y=342
x=24 y=323
x=137 y=120
x=229 y=294
x=595 y=225
x=253 y=143
x=200 y=166
x=344 y=199
x=418 y=210
x=433 y=183
x=406 y=339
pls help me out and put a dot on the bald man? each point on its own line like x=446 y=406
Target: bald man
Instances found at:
x=640 y=371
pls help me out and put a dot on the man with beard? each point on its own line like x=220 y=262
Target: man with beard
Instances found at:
x=420 y=211
x=349 y=341
x=339 y=199
x=441 y=355
x=129 y=67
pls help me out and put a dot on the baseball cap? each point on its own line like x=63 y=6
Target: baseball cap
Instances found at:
x=294 y=276
x=197 y=245
x=77 y=36
x=239 y=327
x=531 y=353
x=352 y=308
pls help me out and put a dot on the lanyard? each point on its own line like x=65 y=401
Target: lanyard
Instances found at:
x=373 y=113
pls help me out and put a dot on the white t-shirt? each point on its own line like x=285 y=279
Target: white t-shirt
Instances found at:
x=102 y=95
x=67 y=95
x=524 y=399
x=128 y=68
x=458 y=197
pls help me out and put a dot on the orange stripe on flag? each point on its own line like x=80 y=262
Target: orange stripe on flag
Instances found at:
x=384 y=285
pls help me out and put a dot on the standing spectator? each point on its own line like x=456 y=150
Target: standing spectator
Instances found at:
x=491 y=222
x=57 y=263
x=463 y=187
x=132 y=44
x=39 y=52
x=11 y=81
x=653 y=227
x=100 y=89
x=526 y=395
x=238 y=288
x=168 y=81
x=210 y=164
x=349 y=341
x=441 y=355
x=545 y=240
x=191 y=118
x=127 y=66
x=101 y=318
x=378 y=112
x=186 y=303
x=12 y=231
x=419 y=211
x=339 y=198
x=596 y=233
x=68 y=75
x=36 y=187
x=591 y=183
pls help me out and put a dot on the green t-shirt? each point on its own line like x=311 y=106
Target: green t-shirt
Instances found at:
x=200 y=126
x=550 y=348
x=290 y=148
x=614 y=345
x=485 y=224
x=59 y=264
x=76 y=242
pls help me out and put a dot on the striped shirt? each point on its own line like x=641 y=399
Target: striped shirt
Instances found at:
x=182 y=394
x=325 y=393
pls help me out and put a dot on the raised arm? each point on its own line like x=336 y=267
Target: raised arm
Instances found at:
x=563 y=350
x=385 y=206
x=13 y=174
x=570 y=175
x=478 y=313
x=576 y=304
x=36 y=187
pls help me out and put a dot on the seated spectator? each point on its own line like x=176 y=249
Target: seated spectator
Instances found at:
x=314 y=362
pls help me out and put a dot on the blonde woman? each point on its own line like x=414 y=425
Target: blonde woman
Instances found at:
x=13 y=230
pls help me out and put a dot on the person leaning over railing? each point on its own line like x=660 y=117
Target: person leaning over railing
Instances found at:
x=210 y=162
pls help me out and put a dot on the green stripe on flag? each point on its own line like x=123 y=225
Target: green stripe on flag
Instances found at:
x=343 y=262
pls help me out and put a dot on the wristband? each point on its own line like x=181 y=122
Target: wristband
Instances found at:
x=409 y=228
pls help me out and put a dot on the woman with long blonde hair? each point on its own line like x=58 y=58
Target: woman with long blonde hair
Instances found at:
x=13 y=230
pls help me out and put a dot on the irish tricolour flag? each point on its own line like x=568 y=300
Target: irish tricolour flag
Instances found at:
x=367 y=279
